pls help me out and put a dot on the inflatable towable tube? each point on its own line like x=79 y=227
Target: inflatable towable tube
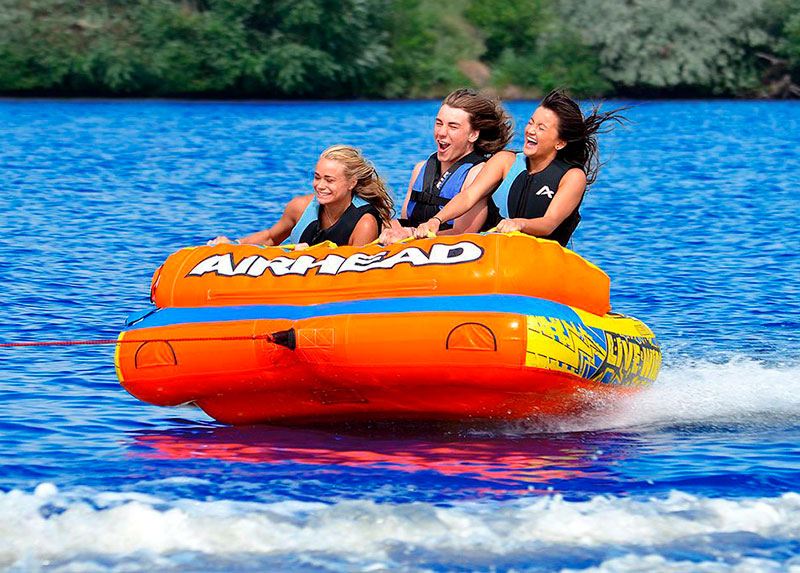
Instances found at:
x=495 y=326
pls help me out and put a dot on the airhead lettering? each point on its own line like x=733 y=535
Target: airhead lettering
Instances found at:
x=332 y=264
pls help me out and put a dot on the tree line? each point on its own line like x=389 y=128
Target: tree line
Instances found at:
x=399 y=48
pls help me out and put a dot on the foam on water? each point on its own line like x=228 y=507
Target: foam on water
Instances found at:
x=81 y=526
x=739 y=391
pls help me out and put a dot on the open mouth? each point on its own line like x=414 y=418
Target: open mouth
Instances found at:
x=442 y=146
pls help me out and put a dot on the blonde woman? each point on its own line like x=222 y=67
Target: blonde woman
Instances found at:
x=349 y=206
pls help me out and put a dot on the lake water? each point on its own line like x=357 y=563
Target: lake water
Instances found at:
x=694 y=217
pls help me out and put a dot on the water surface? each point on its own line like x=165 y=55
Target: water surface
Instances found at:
x=693 y=217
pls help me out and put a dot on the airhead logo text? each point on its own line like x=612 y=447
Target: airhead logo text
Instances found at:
x=333 y=264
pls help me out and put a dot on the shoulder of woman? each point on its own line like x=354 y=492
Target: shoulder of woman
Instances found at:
x=504 y=157
x=574 y=176
x=575 y=173
x=301 y=201
x=369 y=217
x=297 y=205
x=500 y=163
x=366 y=229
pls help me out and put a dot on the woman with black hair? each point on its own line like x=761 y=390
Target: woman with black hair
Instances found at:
x=538 y=191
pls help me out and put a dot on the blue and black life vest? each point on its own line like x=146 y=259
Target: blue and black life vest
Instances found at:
x=432 y=190
x=528 y=195
x=308 y=228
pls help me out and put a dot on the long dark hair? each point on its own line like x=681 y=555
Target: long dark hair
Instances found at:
x=485 y=115
x=580 y=131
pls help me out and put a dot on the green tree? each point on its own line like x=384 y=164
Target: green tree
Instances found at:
x=399 y=48
x=166 y=47
x=701 y=47
x=781 y=62
x=508 y=26
x=36 y=43
x=324 y=48
x=429 y=41
x=529 y=46
x=183 y=51
x=559 y=60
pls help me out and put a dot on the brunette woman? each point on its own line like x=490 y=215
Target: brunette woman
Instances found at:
x=538 y=191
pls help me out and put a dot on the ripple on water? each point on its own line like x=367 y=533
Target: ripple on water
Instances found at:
x=694 y=224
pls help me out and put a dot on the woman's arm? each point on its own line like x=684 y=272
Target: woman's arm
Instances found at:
x=485 y=183
x=365 y=231
x=567 y=198
x=276 y=234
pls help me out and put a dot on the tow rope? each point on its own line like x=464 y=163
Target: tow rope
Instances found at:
x=284 y=338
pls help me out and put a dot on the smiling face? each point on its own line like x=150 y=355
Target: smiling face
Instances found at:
x=331 y=183
x=541 y=134
x=453 y=134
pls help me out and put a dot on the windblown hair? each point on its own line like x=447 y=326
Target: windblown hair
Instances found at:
x=580 y=132
x=487 y=116
x=369 y=185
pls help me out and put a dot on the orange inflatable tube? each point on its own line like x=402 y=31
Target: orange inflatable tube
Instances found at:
x=469 y=327
x=466 y=264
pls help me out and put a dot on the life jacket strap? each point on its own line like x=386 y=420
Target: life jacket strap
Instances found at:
x=428 y=198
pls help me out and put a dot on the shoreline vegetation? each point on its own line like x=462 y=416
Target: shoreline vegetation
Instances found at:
x=399 y=49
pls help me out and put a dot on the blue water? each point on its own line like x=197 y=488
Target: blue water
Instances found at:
x=694 y=217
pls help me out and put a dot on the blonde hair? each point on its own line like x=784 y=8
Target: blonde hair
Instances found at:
x=369 y=185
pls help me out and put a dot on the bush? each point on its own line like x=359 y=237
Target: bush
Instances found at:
x=428 y=40
x=673 y=47
x=399 y=48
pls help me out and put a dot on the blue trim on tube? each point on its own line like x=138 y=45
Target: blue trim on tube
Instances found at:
x=501 y=303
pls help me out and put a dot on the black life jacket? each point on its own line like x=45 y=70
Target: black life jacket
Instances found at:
x=528 y=195
x=339 y=233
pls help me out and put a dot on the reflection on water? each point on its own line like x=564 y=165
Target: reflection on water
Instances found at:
x=532 y=463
